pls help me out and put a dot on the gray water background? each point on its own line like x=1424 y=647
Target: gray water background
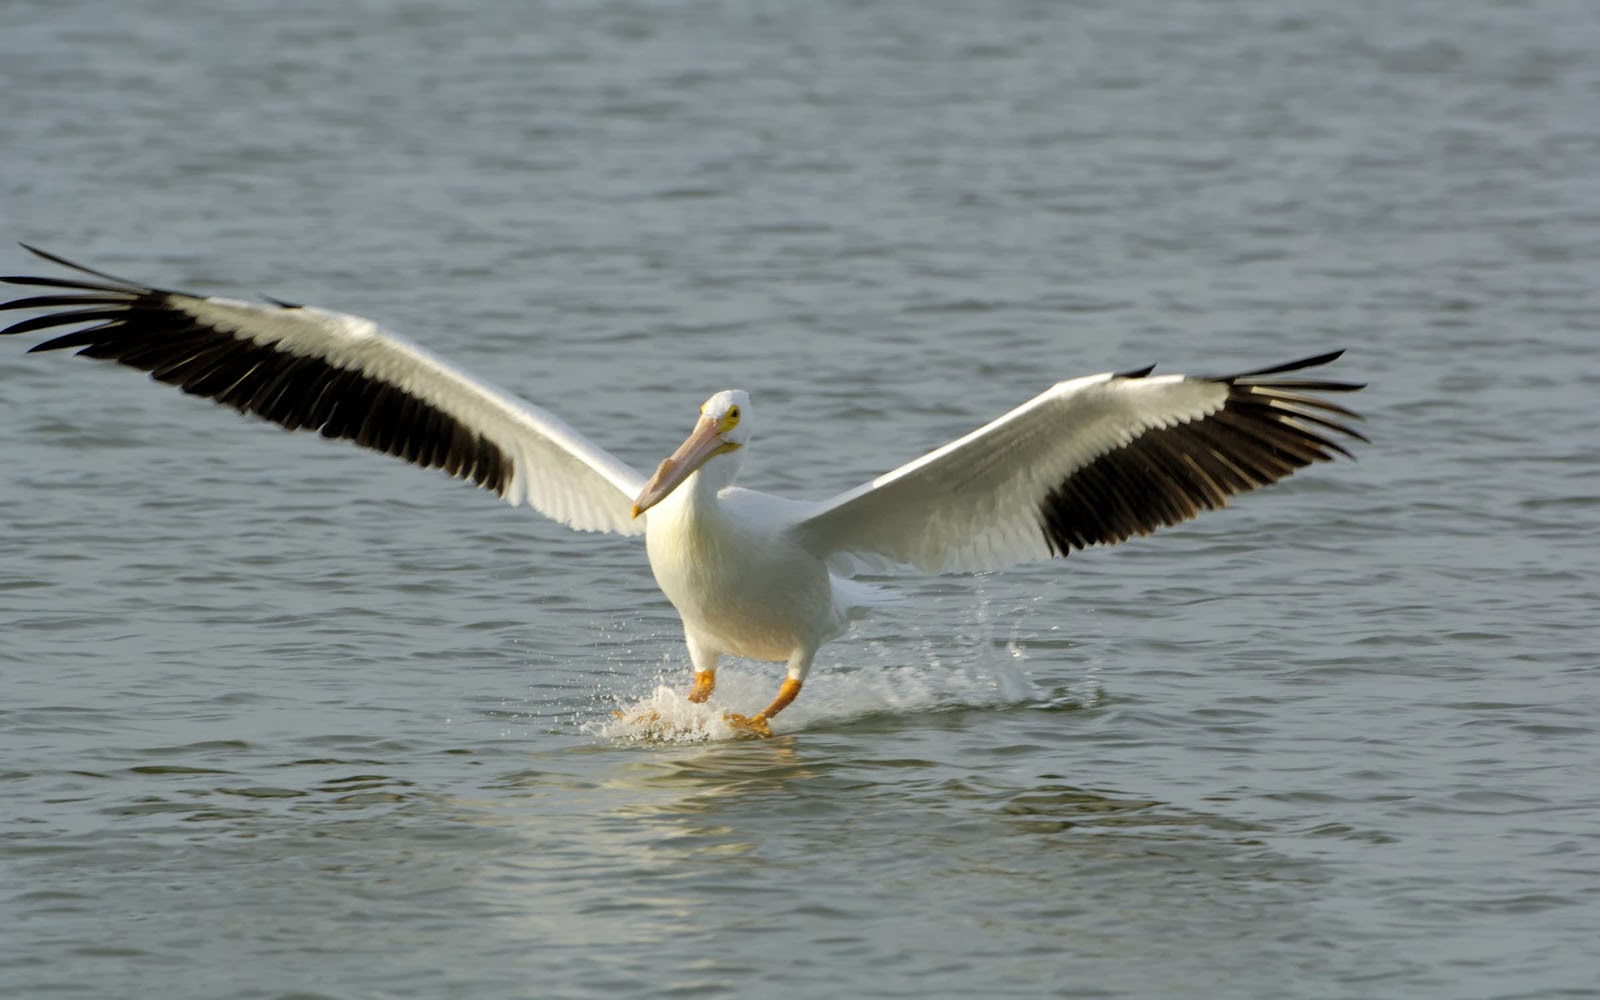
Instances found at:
x=279 y=717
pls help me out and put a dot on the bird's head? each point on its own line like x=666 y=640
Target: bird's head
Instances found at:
x=724 y=426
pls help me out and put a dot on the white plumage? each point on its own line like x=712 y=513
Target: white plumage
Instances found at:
x=973 y=505
x=1088 y=461
x=554 y=469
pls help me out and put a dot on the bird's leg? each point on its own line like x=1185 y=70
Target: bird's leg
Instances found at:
x=704 y=659
x=756 y=724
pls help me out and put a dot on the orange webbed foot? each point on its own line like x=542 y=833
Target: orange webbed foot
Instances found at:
x=752 y=725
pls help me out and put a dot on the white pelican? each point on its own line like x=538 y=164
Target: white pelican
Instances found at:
x=1088 y=461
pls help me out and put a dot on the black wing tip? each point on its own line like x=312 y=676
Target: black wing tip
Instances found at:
x=1314 y=361
x=117 y=284
x=1266 y=429
x=64 y=262
x=136 y=326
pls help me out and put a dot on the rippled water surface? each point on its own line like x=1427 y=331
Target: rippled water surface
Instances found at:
x=279 y=717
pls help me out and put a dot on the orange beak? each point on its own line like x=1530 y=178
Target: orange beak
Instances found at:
x=703 y=443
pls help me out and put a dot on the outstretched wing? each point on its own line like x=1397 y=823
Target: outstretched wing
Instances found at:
x=309 y=368
x=1090 y=461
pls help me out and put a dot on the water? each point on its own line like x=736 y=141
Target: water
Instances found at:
x=282 y=718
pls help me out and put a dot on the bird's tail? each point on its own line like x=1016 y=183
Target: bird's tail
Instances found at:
x=852 y=599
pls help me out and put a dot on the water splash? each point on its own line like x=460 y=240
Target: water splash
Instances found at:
x=976 y=656
x=833 y=695
x=666 y=715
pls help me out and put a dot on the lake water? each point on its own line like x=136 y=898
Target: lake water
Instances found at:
x=282 y=718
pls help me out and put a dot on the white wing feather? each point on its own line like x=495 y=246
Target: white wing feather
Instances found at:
x=557 y=471
x=973 y=505
x=305 y=367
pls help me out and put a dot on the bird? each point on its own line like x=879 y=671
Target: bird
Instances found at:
x=1089 y=461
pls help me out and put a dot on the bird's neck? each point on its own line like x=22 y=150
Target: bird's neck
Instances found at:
x=697 y=497
x=716 y=475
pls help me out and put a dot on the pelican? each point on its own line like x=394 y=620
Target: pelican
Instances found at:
x=1089 y=461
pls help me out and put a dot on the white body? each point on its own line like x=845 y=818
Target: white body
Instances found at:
x=743 y=585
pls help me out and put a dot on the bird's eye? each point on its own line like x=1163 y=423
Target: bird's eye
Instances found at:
x=734 y=413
